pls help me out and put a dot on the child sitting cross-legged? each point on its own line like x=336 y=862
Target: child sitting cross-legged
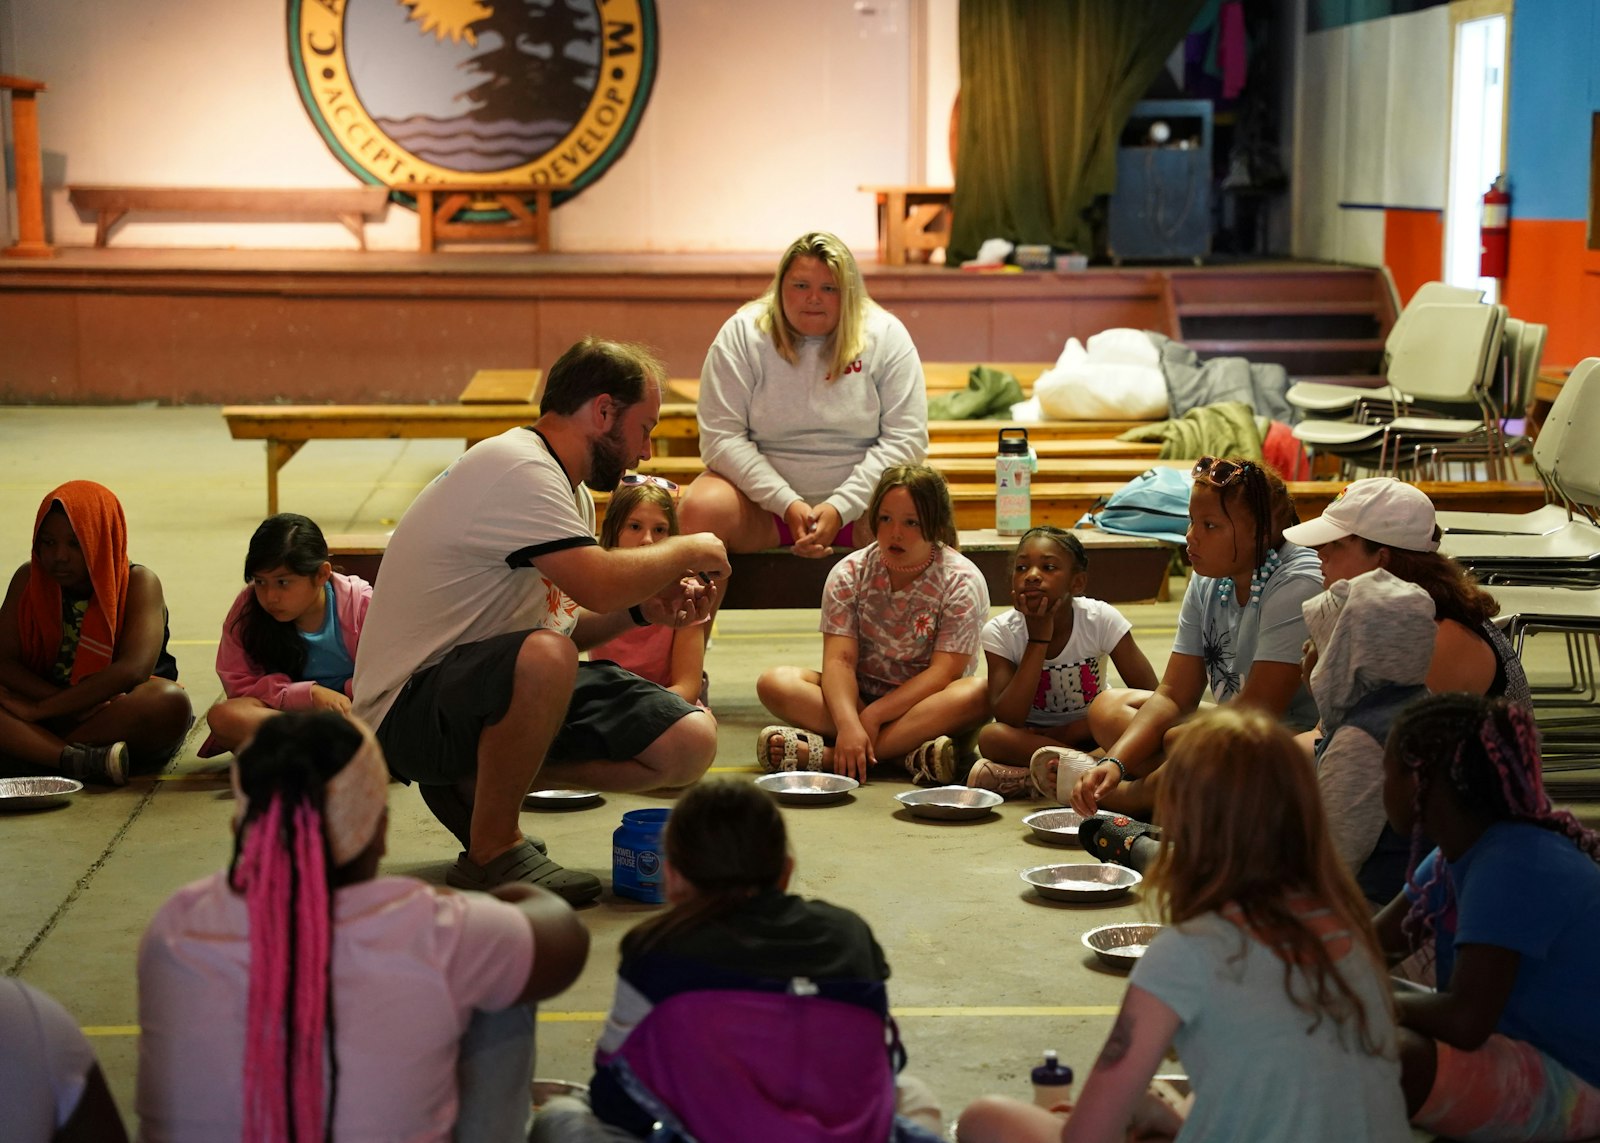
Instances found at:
x=1266 y=977
x=1509 y=1045
x=901 y=625
x=87 y=685
x=289 y=641
x=1045 y=660
x=745 y=1012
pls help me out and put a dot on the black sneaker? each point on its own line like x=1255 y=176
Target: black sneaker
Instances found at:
x=102 y=765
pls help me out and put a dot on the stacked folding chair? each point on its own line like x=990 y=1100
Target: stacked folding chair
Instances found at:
x=1544 y=566
x=1448 y=354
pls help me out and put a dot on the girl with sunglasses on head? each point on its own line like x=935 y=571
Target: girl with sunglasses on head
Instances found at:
x=644 y=510
x=1240 y=635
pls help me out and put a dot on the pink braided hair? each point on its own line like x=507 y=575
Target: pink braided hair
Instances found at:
x=282 y=870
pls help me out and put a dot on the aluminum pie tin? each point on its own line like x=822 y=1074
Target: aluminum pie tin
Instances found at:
x=949 y=803
x=1081 y=883
x=36 y=793
x=560 y=799
x=1058 y=827
x=1120 y=945
x=807 y=787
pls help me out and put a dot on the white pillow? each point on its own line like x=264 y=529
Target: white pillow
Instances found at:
x=1094 y=391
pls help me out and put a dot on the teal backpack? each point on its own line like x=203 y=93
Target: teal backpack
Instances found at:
x=1154 y=504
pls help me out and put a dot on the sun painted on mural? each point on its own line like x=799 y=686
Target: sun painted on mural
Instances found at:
x=486 y=91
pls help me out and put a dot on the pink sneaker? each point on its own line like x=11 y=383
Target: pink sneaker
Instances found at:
x=1010 y=782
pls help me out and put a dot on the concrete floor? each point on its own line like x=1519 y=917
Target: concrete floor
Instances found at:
x=986 y=975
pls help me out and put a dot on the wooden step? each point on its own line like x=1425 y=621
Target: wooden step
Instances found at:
x=1083 y=448
x=1257 y=349
x=963 y=470
x=1309 y=307
x=1320 y=283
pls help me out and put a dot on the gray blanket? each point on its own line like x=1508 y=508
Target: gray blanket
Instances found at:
x=1192 y=383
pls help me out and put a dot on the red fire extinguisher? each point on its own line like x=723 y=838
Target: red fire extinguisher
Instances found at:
x=1494 y=247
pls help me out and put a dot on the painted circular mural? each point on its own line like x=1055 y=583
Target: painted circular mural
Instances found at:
x=486 y=91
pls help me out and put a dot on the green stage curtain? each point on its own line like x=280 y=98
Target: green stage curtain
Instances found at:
x=1046 y=87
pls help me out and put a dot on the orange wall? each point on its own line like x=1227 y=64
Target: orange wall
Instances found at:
x=1413 y=248
x=1554 y=279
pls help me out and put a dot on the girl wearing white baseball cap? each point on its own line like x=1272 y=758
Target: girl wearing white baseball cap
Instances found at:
x=1385 y=523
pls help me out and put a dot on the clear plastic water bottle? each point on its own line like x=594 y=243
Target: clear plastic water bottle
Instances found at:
x=1052 y=1082
x=1013 y=479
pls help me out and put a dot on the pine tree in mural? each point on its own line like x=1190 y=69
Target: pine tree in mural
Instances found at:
x=527 y=72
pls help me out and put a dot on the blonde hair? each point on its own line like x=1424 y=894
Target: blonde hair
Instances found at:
x=930 y=495
x=849 y=337
x=628 y=497
x=1244 y=833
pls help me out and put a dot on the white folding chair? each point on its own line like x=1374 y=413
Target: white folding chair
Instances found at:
x=1448 y=354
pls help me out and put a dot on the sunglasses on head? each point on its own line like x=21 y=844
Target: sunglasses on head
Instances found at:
x=1220 y=473
x=632 y=478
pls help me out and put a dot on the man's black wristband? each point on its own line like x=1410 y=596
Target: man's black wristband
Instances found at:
x=638 y=616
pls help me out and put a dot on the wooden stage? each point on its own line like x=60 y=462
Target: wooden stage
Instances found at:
x=260 y=326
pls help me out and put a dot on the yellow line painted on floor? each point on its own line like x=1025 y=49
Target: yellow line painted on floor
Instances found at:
x=899 y=1013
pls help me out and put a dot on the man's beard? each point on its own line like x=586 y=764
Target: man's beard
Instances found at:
x=606 y=461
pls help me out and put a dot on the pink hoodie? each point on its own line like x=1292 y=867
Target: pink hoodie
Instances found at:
x=242 y=676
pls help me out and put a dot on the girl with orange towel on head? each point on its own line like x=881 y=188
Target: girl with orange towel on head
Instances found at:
x=86 y=683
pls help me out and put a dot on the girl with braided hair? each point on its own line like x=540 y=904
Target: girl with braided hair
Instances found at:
x=1240 y=634
x=1508 y=1047
x=299 y=997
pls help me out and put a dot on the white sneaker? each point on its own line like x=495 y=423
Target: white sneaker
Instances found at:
x=1054 y=771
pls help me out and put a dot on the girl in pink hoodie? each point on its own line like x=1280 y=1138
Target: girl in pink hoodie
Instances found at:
x=289 y=642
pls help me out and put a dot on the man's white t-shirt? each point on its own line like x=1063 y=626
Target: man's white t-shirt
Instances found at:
x=462 y=564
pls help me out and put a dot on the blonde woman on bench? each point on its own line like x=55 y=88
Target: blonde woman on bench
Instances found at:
x=807 y=395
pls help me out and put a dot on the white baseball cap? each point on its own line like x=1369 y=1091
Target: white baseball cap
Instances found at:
x=1380 y=509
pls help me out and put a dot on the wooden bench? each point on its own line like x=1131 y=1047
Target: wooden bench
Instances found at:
x=1122 y=569
x=444 y=210
x=964 y=470
x=1064 y=503
x=493 y=401
x=351 y=206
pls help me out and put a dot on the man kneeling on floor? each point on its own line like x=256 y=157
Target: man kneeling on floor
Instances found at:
x=491 y=584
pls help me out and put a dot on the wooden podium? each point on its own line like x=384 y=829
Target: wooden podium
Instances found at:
x=30 y=182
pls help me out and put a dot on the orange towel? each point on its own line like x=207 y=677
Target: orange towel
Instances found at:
x=102 y=532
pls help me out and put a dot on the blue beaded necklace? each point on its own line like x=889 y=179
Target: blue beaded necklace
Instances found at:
x=1258 y=580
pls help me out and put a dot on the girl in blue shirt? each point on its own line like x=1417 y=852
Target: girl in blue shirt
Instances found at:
x=1508 y=1047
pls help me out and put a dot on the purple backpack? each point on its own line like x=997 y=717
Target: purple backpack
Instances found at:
x=730 y=1065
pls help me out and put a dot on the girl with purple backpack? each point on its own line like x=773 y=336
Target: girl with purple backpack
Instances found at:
x=745 y=1011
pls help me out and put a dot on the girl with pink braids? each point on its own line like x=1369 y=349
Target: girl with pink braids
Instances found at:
x=299 y=996
x=1508 y=1047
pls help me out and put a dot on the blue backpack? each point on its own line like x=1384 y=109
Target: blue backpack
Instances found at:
x=1154 y=504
